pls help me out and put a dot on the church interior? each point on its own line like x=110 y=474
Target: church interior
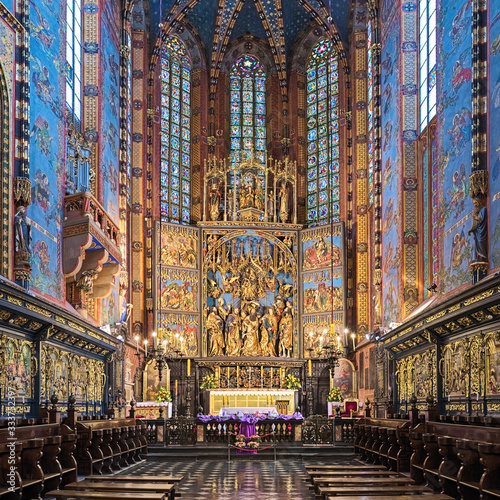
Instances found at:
x=250 y=246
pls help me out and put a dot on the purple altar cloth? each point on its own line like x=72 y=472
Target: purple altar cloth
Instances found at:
x=247 y=428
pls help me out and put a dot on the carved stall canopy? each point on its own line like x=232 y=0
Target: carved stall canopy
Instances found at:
x=36 y=318
x=92 y=254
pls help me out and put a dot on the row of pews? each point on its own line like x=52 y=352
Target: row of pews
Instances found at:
x=119 y=487
x=459 y=458
x=37 y=457
x=365 y=482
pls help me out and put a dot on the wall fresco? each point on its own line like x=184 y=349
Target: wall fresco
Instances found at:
x=47 y=133
x=494 y=130
x=454 y=126
x=110 y=125
x=322 y=291
x=391 y=175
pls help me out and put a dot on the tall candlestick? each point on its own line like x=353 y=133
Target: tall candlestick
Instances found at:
x=309 y=367
x=189 y=368
x=145 y=347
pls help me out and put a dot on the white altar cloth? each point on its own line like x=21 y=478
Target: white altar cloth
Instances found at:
x=247 y=410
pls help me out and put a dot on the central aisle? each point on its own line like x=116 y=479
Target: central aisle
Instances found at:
x=237 y=480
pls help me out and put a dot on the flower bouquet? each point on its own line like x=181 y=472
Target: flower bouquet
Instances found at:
x=292 y=382
x=253 y=445
x=208 y=382
x=241 y=441
x=335 y=395
x=162 y=396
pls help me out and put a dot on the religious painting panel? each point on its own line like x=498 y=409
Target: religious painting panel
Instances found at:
x=391 y=172
x=110 y=124
x=493 y=363
x=17 y=367
x=323 y=300
x=177 y=287
x=250 y=293
x=152 y=382
x=66 y=373
x=178 y=332
x=493 y=100
x=47 y=106
x=454 y=148
x=344 y=379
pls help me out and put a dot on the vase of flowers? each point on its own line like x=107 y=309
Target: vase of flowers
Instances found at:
x=208 y=382
x=292 y=382
x=335 y=399
x=163 y=396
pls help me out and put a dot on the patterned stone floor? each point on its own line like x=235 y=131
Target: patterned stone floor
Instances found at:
x=236 y=480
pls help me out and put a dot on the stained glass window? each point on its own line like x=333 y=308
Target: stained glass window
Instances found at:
x=248 y=108
x=427 y=54
x=74 y=61
x=323 y=185
x=371 y=129
x=175 y=174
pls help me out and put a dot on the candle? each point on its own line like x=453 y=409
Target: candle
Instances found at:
x=261 y=371
x=353 y=340
x=176 y=341
x=176 y=387
x=477 y=396
x=271 y=376
x=228 y=375
x=189 y=368
x=154 y=340
x=237 y=373
x=137 y=343
x=182 y=344
x=309 y=367
x=145 y=347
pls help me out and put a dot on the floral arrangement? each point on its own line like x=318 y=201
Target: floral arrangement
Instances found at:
x=162 y=396
x=255 y=438
x=335 y=395
x=208 y=382
x=253 y=445
x=292 y=382
x=241 y=441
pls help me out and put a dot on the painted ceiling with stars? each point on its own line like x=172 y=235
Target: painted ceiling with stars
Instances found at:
x=279 y=22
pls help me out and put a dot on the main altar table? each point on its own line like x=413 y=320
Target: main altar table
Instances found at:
x=262 y=399
x=248 y=410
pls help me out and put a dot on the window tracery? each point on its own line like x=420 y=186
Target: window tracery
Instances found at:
x=175 y=171
x=323 y=169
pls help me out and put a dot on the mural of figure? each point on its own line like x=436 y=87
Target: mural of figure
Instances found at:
x=233 y=338
x=479 y=229
x=214 y=203
x=251 y=346
x=23 y=234
x=215 y=327
x=283 y=203
x=286 y=335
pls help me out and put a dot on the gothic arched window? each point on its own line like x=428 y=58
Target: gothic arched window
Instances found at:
x=248 y=108
x=323 y=185
x=175 y=175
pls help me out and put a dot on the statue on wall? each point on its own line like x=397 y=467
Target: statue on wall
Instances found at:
x=283 y=203
x=270 y=327
x=215 y=327
x=250 y=327
x=479 y=229
x=286 y=335
x=23 y=236
x=259 y=197
x=233 y=338
x=214 y=203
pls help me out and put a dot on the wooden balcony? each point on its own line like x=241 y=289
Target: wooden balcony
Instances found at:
x=91 y=245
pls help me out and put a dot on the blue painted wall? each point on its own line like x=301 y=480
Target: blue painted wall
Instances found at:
x=454 y=129
x=47 y=139
x=391 y=164
x=494 y=130
x=110 y=123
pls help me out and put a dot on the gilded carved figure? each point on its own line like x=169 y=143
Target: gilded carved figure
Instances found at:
x=215 y=327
